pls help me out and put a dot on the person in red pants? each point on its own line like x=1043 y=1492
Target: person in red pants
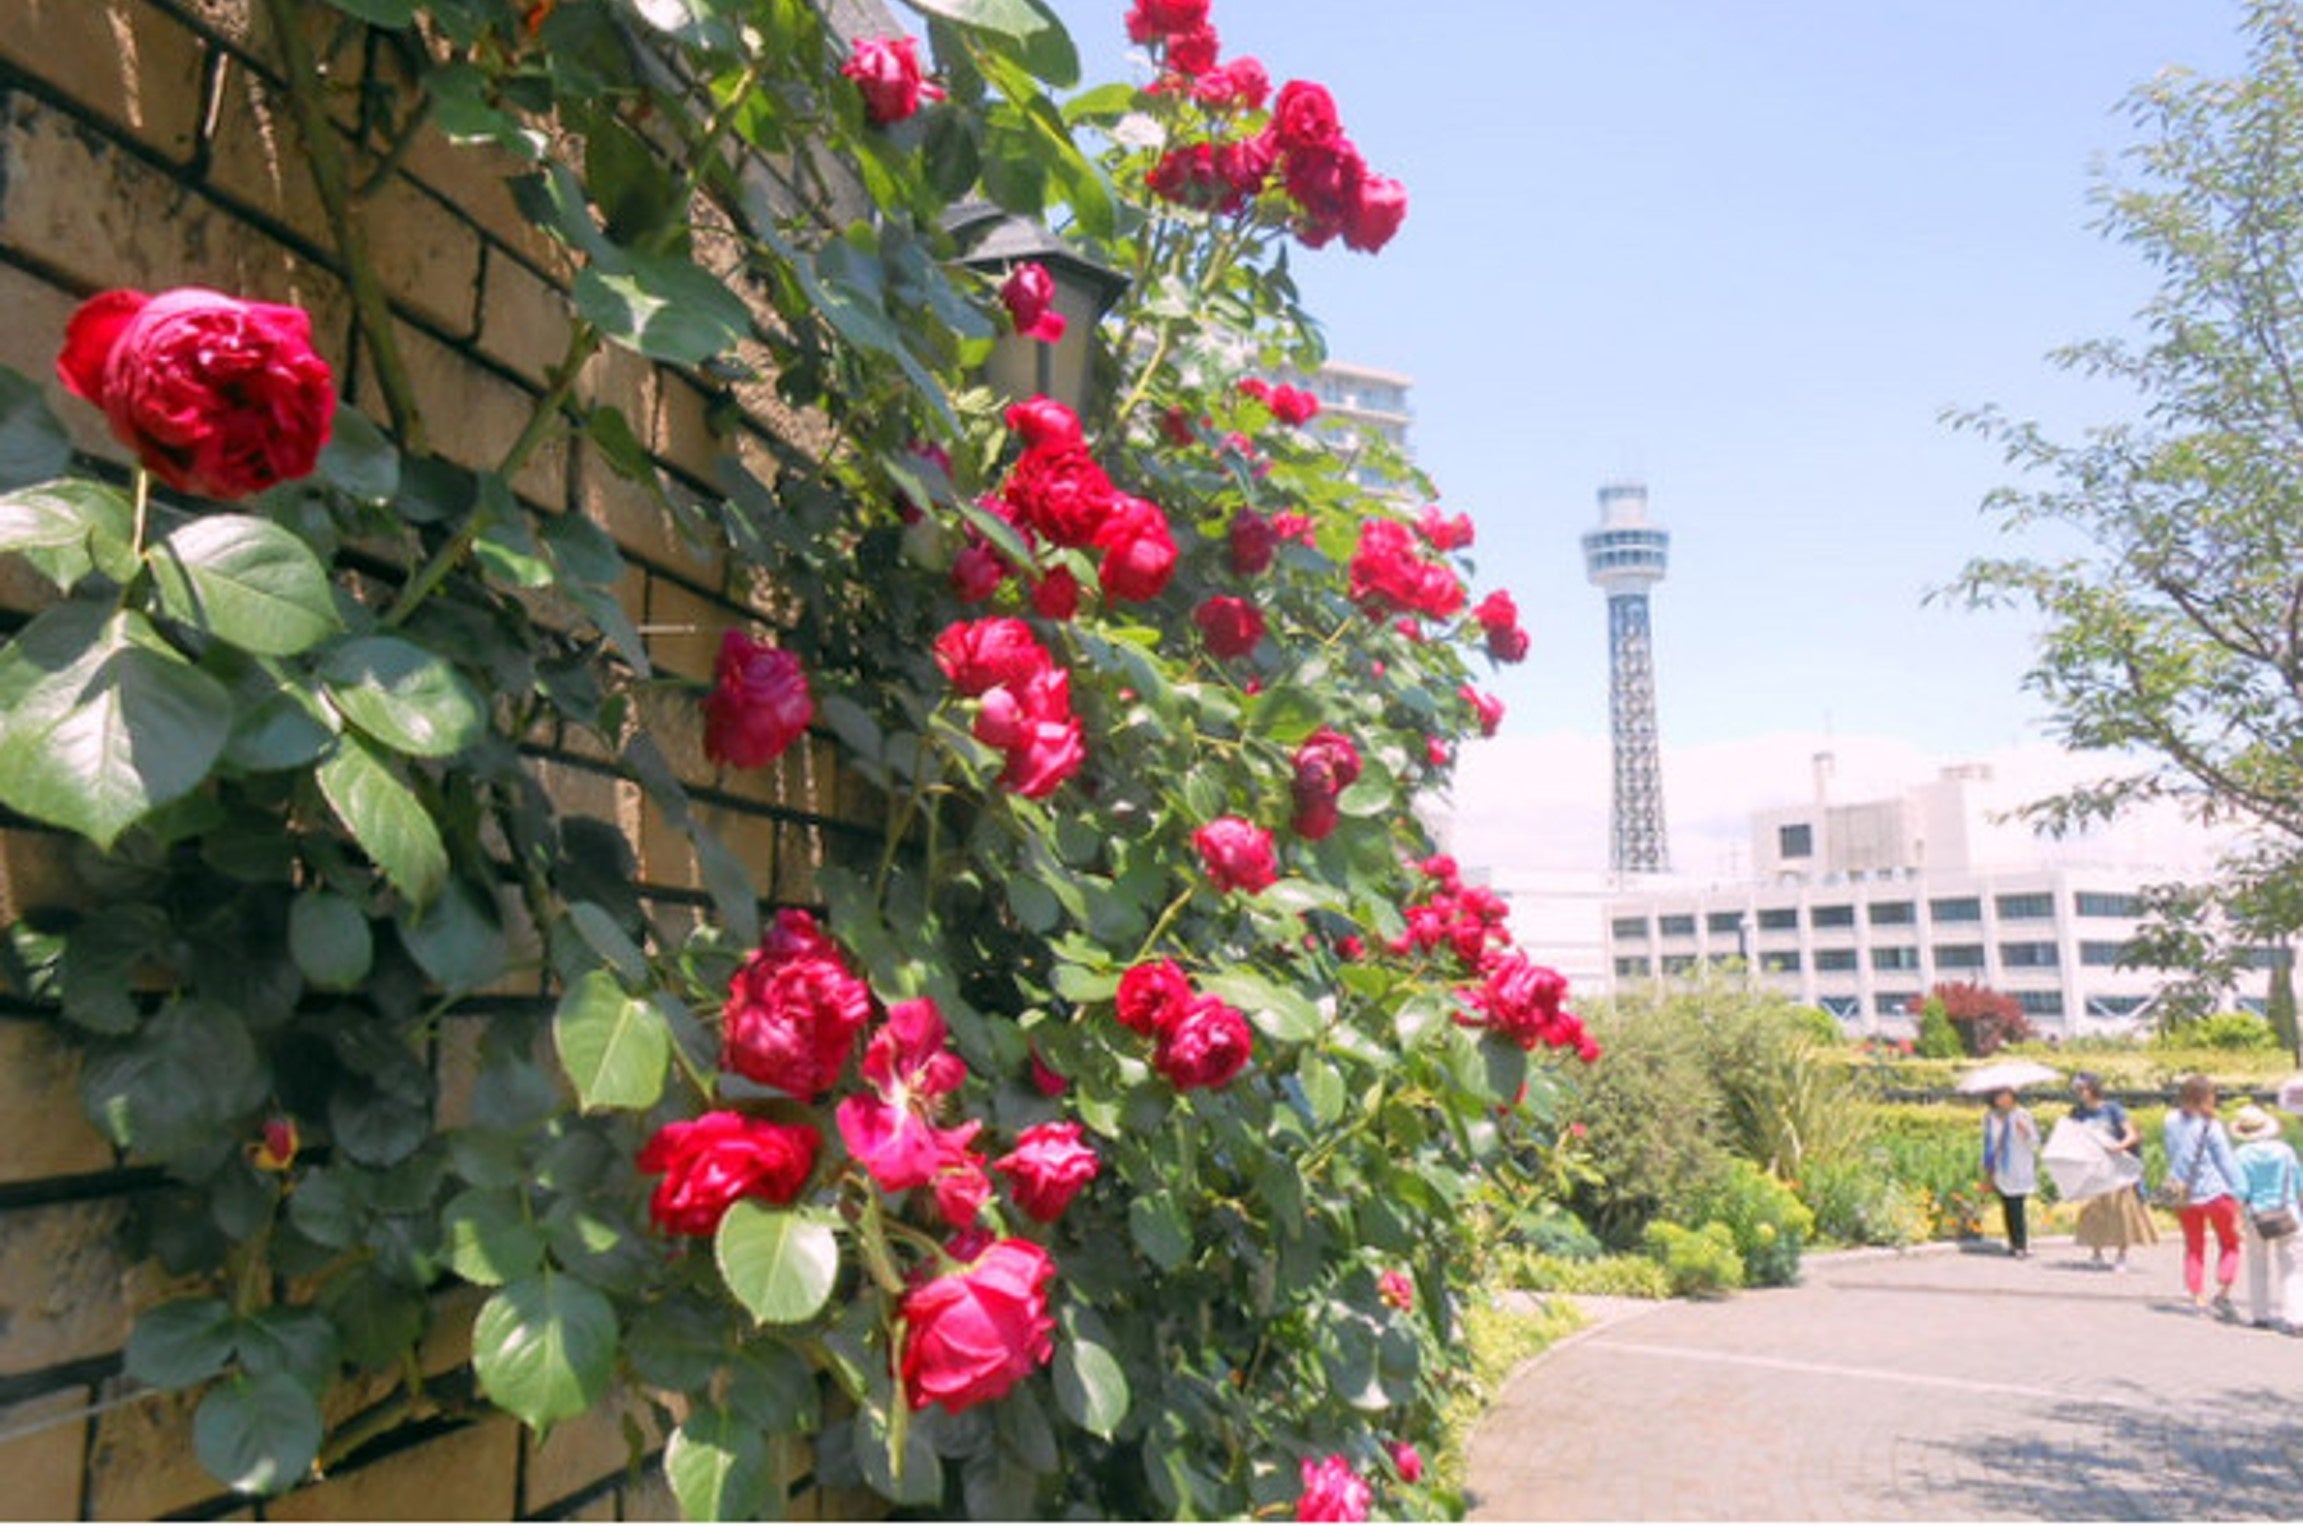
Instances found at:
x=2200 y=1161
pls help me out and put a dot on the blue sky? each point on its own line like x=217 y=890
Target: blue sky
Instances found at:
x=1746 y=251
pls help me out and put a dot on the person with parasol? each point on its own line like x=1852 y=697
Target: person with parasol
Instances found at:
x=2010 y=1142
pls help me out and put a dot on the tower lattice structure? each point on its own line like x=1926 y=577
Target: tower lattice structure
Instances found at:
x=1626 y=556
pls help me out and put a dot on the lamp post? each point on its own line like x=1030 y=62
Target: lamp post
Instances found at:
x=995 y=242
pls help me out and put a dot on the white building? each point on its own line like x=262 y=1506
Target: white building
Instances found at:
x=1359 y=403
x=1862 y=907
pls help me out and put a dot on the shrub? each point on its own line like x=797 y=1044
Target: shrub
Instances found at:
x=1767 y=1223
x=1857 y=1200
x=1938 y=1040
x=1555 y=1232
x=1700 y=1263
x=1653 y=1120
x=1604 y=1276
x=2223 y=1031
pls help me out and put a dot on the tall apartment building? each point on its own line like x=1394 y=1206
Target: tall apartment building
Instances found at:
x=1358 y=403
x=1861 y=907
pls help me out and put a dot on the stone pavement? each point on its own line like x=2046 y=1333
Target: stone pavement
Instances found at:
x=1939 y=1384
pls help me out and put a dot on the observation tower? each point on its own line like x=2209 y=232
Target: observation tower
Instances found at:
x=1625 y=556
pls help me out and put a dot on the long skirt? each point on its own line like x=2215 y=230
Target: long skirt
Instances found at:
x=2114 y=1221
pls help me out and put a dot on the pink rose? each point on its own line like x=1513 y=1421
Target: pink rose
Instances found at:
x=1375 y=214
x=1205 y=1047
x=1151 y=20
x=1396 y=1288
x=1039 y=421
x=1332 y=1491
x=1304 y=116
x=1230 y=626
x=973 y=1334
x=759 y=704
x=1139 y=552
x=1407 y=1460
x=793 y=1010
x=979 y=655
x=709 y=1162
x=1241 y=85
x=1236 y=854
x=961 y=1189
x=1029 y=294
x=216 y=396
x=887 y=73
x=1152 y=996
x=1047 y=1168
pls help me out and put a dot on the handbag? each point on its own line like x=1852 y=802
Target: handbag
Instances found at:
x=2280 y=1222
x=2177 y=1194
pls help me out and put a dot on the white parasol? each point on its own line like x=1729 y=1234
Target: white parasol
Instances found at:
x=2007 y=1075
x=2079 y=1157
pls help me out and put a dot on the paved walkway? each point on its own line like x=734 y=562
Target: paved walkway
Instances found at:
x=1937 y=1385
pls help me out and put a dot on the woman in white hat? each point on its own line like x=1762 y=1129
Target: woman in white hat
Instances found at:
x=2268 y=1191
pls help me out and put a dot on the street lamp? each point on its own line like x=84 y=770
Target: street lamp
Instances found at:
x=995 y=242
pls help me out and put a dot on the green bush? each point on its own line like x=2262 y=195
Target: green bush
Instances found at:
x=1765 y=1219
x=1607 y=1276
x=1556 y=1232
x=1938 y=1040
x=2221 y=1031
x=1699 y=1262
x=1857 y=1200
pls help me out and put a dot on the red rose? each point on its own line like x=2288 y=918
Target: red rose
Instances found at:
x=1057 y=490
x=1193 y=52
x=709 y=1162
x=977 y=573
x=216 y=396
x=1304 y=117
x=1388 y=578
x=1151 y=20
x=1046 y=1078
x=907 y=1057
x=1139 y=552
x=1056 y=596
x=1523 y=1002
x=1029 y=293
x=973 y=1334
x=1326 y=764
x=1396 y=1288
x=793 y=1010
x=1487 y=707
x=1241 y=85
x=1498 y=616
x=1332 y=1491
x=887 y=72
x=978 y=655
x=1407 y=1460
x=1051 y=753
x=1253 y=541
x=1236 y=854
x=1375 y=214
x=759 y=704
x=1153 y=996
x=1047 y=1168
x=1205 y=1047
x=1293 y=405
x=1442 y=533
x=1231 y=627
x=276 y=1144
x=1044 y=421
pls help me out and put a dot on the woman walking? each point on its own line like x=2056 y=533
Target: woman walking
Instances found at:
x=2200 y=1163
x=2117 y=1219
x=2011 y=1164
x=2268 y=1189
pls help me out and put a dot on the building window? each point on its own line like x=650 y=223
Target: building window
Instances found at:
x=2041 y=1003
x=1678 y=964
x=1842 y=1007
x=1795 y=840
x=2096 y=903
x=2115 y=1006
x=1633 y=964
x=1779 y=919
x=1782 y=961
x=1959 y=956
x=1722 y=921
x=1676 y=927
x=1891 y=913
x=2027 y=956
x=1895 y=959
x=1832 y=916
x=2032 y=906
x=1956 y=908
x=1893 y=1003
x=1835 y=959
x=1630 y=929
x=2101 y=955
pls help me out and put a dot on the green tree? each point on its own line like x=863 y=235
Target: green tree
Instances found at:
x=2175 y=637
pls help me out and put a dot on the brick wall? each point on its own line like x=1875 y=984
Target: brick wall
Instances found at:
x=144 y=143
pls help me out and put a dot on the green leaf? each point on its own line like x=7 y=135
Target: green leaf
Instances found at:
x=179 y=1344
x=287 y=728
x=545 y=1347
x=291 y=1339
x=508 y=549
x=34 y=445
x=582 y=551
x=257 y=1434
x=456 y=940
x=1322 y=1089
x=329 y=938
x=1077 y=983
x=101 y=723
x=358 y=461
x=665 y=307
x=386 y=819
x=409 y=698
x=1375 y=793
x=615 y=1047
x=69 y=528
x=849 y=721
x=780 y=1265
x=1276 y=1011
x=1032 y=31
x=1159 y=1229
x=607 y=938
x=393 y=14
x=1090 y=1387
x=773 y=1388
x=489 y=1241
x=247 y=582
x=718 y=1468
x=915 y=1476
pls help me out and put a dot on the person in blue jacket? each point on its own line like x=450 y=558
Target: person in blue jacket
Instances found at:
x=2269 y=1179
x=2200 y=1162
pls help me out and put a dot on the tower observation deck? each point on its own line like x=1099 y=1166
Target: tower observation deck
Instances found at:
x=1626 y=557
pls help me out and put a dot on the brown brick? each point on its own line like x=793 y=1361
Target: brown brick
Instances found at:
x=684 y=629
x=799 y=852
x=465 y=1475
x=681 y=430
x=78 y=203
x=447 y=1341
x=472 y=415
x=523 y=319
x=35 y=873
x=42 y=1130
x=42 y=1445
x=34 y=332
x=256 y=155
x=582 y=1451
x=641 y=521
x=601 y=1507
x=142 y=1465
x=66 y=1288
x=427 y=257
x=125 y=60
x=473 y=177
x=651 y=1499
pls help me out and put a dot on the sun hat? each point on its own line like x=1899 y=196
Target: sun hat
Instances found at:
x=2252 y=1123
